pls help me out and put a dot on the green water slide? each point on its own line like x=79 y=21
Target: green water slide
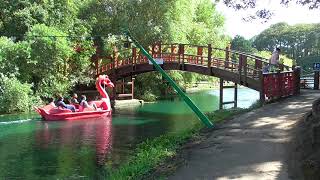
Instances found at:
x=186 y=99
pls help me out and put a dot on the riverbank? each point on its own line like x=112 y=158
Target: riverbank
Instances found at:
x=152 y=156
x=200 y=86
x=131 y=103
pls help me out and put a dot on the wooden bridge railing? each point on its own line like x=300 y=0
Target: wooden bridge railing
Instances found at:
x=281 y=84
x=208 y=56
x=243 y=64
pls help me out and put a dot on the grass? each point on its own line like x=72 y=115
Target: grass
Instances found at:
x=151 y=153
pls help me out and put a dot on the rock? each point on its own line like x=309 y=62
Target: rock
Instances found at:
x=316 y=134
x=316 y=109
x=127 y=103
x=310 y=170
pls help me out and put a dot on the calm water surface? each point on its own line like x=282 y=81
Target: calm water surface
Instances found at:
x=35 y=149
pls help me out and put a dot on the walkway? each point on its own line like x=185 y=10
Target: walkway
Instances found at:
x=250 y=147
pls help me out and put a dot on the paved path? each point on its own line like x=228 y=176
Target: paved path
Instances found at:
x=253 y=146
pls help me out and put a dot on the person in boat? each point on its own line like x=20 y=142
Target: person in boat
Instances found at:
x=84 y=104
x=60 y=103
x=74 y=99
x=51 y=102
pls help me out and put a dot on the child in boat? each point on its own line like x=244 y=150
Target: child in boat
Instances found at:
x=51 y=102
x=60 y=103
x=74 y=99
x=84 y=104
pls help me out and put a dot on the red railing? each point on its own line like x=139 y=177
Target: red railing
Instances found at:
x=278 y=84
x=247 y=64
x=243 y=64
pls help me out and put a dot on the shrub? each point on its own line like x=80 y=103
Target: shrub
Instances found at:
x=15 y=96
x=148 y=96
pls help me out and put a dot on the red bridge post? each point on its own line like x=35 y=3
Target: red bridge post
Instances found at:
x=296 y=80
x=199 y=55
x=262 y=93
x=134 y=56
x=245 y=69
x=316 y=80
x=113 y=72
x=209 y=55
x=280 y=83
x=226 y=63
x=132 y=87
x=181 y=55
x=257 y=66
x=240 y=67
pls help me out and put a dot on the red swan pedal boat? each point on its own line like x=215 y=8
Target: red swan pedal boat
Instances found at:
x=52 y=113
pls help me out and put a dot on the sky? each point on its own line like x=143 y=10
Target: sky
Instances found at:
x=294 y=14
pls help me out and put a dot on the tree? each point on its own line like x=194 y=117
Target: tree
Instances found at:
x=297 y=41
x=49 y=44
x=19 y=16
x=8 y=55
x=239 y=43
x=150 y=21
x=15 y=96
x=56 y=62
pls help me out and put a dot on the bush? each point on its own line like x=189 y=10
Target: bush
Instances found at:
x=15 y=96
x=8 y=55
x=148 y=96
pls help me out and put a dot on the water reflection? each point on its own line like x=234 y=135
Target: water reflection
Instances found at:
x=70 y=148
x=95 y=133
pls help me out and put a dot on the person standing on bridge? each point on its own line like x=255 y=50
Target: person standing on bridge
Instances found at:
x=274 y=60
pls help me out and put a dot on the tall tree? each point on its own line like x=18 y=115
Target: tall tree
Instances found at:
x=19 y=16
x=299 y=42
x=239 y=43
x=296 y=41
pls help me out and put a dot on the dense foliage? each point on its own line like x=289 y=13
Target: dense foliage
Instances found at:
x=239 y=43
x=181 y=21
x=15 y=96
x=48 y=45
x=39 y=48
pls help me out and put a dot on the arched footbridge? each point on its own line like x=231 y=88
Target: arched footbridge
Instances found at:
x=229 y=65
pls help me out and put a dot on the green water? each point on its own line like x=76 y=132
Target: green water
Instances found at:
x=35 y=149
